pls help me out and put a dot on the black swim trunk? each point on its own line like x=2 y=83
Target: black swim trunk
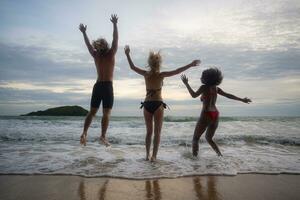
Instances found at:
x=102 y=91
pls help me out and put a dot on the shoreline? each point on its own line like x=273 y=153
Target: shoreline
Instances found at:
x=154 y=177
x=241 y=186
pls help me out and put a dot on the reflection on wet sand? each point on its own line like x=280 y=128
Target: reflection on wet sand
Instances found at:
x=82 y=191
x=152 y=190
x=102 y=191
x=209 y=192
x=246 y=187
x=203 y=187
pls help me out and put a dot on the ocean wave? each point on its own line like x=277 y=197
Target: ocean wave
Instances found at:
x=222 y=140
x=232 y=119
x=258 y=139
x=140 y=118
x=179 y=119
x=50 y=145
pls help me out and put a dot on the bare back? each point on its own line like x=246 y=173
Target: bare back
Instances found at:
x=209 y=98
x=105 y=65
x=154 y=82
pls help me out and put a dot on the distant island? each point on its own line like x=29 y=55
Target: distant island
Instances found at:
x=60 y=111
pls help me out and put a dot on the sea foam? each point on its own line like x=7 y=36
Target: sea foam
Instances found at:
x=50 y=145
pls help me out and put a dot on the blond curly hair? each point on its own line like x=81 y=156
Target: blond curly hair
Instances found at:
x=101 y=46
x=154 y=61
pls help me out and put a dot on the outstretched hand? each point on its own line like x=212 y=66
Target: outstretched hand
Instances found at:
x=195 y=63
x=184 y=79
x=127 y=49
x=82 y=28
x=246 y=100
x=114 y=19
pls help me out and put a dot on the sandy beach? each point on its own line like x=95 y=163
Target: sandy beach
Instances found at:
x=247 y=186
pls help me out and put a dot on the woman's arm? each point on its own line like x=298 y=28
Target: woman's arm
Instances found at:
x=82 y=28
x=181 y=69
x=132 y=66
x=231 y=96
x=191 y=91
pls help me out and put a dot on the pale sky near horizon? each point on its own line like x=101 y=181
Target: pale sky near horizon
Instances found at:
x=44 y=61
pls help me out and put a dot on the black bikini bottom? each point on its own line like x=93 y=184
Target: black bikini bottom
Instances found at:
x=152 y=106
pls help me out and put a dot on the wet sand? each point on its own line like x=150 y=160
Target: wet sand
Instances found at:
x=247 y=186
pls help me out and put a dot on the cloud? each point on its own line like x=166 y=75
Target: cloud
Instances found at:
x=256 y=25
x=256 y=44
x=38 y=63
x=53 y=81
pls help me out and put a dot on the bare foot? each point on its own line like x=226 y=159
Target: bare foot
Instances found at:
x=147 y=157
x=83 y=139
x=195 y=148
x=104 y=141
x=153 y=159
x=195 y=153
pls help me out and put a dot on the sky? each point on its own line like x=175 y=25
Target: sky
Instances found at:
x=256 y=44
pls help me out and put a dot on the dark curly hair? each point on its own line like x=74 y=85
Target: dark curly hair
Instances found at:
x=211 y=76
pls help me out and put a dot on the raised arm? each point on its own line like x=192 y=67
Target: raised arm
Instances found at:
x=132 y=66
x=181 y=69
x=114 y=44
x=82 y=28
x=231 y=96
x=191 y=91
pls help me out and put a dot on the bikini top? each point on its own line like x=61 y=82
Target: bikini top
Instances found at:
x=153 y=80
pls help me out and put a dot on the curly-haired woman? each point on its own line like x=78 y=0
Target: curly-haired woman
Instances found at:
x=209 y=117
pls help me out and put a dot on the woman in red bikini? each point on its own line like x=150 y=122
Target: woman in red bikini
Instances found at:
x=153 y=104
x=209 y=117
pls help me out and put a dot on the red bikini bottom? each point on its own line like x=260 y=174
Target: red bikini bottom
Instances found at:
x=213 y=115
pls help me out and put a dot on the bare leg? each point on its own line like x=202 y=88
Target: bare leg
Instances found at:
x=104 y=125
x=158 y=121
x=199 y=130
x=149 y=125
x=210 y=134
x=87 y=123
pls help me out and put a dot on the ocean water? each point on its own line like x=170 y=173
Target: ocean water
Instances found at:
x=50 y=145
